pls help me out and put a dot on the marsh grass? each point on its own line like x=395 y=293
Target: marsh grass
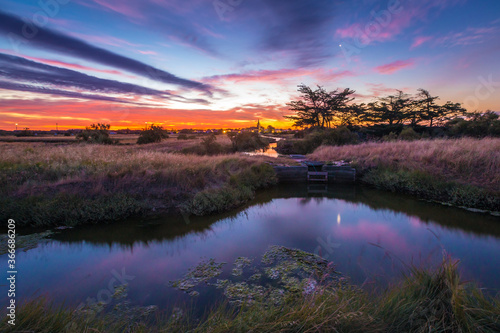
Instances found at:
x=73 y=184
x=462 y=172
x=425 y=300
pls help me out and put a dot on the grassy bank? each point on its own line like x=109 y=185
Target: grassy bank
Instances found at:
x=432 y=300
x=462 y=172
x=45 y=185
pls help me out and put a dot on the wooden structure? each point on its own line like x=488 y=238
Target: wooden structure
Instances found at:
x=324 y=174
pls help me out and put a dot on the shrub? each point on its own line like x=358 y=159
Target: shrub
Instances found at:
x=328 y=137
x=408 y=134
x=247 y=141
x=25 y=132
x=479 y=125
x=390 y=137
x=182 y=137
x=96 y=134
x=152 y=134
x=208 y=146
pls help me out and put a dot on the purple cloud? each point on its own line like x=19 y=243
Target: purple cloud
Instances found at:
x=53 y=40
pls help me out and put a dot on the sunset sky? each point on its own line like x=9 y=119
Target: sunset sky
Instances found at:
x=227 y=63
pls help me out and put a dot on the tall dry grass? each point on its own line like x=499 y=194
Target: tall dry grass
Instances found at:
x=462 y=172
x=467 y=160
x=130 y=178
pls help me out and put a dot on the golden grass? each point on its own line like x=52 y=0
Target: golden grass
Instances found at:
x=118 y=181
x=468 y=161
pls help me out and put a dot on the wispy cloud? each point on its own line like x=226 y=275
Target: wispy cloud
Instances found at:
x=407 y=15
x=26 y=75
x=419 y=41
x=470 y=36
x=395 y=66
x=56 y=41
x=280 y=75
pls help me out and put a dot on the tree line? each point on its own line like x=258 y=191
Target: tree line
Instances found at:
x=324 y=109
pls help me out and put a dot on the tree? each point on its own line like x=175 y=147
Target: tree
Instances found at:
x=152 y=134
x=392 y=109
x=96 y=133
x=429 y=110
x=320 y=108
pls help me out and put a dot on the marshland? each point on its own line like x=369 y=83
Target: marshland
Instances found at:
x=249 y=166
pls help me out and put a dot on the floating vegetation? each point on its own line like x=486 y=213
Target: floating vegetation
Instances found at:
x=255 y=277
x=203 y=272
x=117 y=310
x=240 y=264
x=283 y=274
x=25 y=243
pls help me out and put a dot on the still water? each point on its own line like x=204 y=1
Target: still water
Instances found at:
x=365 y=232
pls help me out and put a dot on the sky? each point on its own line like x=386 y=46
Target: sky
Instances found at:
x=228 y=63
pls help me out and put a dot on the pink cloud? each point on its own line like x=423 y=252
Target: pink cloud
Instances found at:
x=147 y=52
x=280 y=75
x=123 y=7
x=470 y=36
x=419 y=41
x=395 y=66
x=75 y=66
x=385 y=27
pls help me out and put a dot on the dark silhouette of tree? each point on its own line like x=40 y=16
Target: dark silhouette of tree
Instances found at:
x=320 y=108
x=392 y=109
x=429 y=110
x=152 y=134
x=96 y=133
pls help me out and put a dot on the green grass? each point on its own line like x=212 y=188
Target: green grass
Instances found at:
x=48 y=185
x=426 y=300
x=462 y=172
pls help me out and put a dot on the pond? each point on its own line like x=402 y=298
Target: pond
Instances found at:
x=366 y=233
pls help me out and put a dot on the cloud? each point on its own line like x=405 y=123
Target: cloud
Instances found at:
x=395 y=66
x=299 y=30
x=385 y=27
x=173 y=18
x=279 y=75
x=470 y=36
x=53 y=40
x=58 y=92
x=27 y=75
x=40 y=113
x=419 y=41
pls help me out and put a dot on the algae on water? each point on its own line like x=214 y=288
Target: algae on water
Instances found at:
x=283 y=273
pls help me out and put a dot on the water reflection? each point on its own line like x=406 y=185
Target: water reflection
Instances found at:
x=366 y=233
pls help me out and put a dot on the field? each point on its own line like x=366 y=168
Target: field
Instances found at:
x=463 y=172
x=55 y=184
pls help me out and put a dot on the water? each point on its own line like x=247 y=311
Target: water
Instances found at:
x=366 y=233
x=269 y=151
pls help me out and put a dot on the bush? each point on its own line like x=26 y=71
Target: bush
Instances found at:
x=328 y=137
x=390 y=137
x=152 y=134
x=182 y=137
x=208 y=146
x=247 y=141
x=479 y=125
x=26 y=132
x=408 y=134
x=96 y=134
